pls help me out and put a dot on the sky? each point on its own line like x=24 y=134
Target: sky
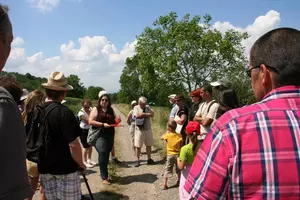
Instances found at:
x=92 y=38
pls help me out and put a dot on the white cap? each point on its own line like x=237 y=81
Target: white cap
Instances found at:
x=24 y=95
x=133 y=102
x=63 y=101
x=223 y=82
x=101 y=93
x=172 y=96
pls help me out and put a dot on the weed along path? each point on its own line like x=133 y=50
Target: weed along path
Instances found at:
x=129 y=182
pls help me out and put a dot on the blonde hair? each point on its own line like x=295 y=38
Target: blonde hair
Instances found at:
x=34 y=98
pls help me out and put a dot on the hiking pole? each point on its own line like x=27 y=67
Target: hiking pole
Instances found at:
x=87 y=185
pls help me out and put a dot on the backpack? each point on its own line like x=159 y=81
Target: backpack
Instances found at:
x=38 y=132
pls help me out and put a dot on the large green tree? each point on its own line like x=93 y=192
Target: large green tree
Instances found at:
x=183 y=54
x=78 y=88
x=92 y=92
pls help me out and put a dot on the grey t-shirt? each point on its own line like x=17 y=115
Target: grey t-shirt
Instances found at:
x=14 y=183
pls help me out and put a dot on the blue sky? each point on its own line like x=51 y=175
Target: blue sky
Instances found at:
x=120 y=22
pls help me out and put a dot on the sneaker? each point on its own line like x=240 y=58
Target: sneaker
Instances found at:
x=91 y=162
x=115 y=160
x=150 y=162
x=137 y=164
x=88 y=165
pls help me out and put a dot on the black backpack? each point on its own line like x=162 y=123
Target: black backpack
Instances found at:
x=38 y=132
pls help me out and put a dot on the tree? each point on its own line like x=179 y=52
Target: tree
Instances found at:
x=92 y=92
x=78 y=88
x=182 y=55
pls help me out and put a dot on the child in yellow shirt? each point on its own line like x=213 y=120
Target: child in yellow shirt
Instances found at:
x=174 y=143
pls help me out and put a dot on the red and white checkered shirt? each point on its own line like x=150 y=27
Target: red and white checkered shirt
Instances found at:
x=252 y=152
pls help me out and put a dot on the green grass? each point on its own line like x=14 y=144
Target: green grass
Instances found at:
x=159 y=124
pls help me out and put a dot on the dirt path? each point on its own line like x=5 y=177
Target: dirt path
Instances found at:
x=143 y=182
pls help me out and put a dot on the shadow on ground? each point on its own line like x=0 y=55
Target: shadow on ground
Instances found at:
x=108 y=195
x=153 y=151
x=143 y=178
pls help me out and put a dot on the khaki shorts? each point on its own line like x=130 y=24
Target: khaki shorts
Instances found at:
x=32 y=169
x=171 y=161
x=143 y=137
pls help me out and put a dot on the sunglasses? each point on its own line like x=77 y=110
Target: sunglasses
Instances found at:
x=273 y=69
x=106 y=100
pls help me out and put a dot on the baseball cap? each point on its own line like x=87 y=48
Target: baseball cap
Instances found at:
x=133 y=102
x=172 y=96
x=222 y=82
x=192 y=127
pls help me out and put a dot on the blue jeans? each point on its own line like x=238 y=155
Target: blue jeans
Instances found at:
x=103 y=147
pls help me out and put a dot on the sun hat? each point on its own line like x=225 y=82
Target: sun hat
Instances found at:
x=222 y=82
x=24 y=94
x=172 y=96
x=133 y=102
x=57 y=81
x=101 y=93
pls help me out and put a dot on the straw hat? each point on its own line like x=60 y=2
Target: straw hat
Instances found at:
x=57 y=81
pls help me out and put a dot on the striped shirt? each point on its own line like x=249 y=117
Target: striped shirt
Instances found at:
x=252 y=152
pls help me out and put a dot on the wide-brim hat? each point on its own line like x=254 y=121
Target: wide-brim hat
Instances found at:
x=57 y=81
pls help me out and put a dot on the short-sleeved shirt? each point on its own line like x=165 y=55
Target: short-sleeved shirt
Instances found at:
x=174 y=111
x=207 y=110
x=187 y=154
x=83 y=124
x=174 y=141
x=147 y=122
x=63 y=130
x=14 y=183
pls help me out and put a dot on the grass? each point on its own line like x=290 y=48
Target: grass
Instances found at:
x=159 y=123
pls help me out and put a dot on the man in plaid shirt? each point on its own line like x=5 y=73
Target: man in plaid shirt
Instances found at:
x=254 y=152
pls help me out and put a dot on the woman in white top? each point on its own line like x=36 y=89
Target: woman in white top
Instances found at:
x=83 y=115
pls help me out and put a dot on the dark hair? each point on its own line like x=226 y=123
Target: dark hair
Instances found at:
x=195 y=142
x=207 y=88
x=13 y=87
x=228 y=99
x=5 y=24
x=179 y=97
x=54 y=94
x=279 y=49
x=86 y=101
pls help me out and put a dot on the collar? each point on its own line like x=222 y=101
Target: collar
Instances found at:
x=284 y=92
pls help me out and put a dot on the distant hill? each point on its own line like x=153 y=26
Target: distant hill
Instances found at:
x=28 y=81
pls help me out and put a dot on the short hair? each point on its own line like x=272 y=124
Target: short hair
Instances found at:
x=279 y=49
x=142 y=100
x=13 y=87
x=228 y=98
x=5 y=24
x=54 y=94
x=207 y=88
x=179 y=97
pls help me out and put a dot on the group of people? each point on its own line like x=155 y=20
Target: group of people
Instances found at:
x=248 y=152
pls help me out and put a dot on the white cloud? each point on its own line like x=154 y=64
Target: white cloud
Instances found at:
x=44 y=5
x=260 y=26
x=98 y=62
x=18 y=42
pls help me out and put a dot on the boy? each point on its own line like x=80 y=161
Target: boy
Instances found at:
x=174 y=143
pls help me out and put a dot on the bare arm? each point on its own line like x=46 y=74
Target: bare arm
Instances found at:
x=129 y=116
x=146 y=115
x=182 y=120
x=76 y=152
x=180 y=164
x=94 y=122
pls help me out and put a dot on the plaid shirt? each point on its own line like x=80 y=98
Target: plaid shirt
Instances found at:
x=252 y=152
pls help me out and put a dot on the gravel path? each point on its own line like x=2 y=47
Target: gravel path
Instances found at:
x=143 y=182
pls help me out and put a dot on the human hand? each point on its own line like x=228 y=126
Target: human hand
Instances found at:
x=106 y=125
x=82 y=168
x=118 y=120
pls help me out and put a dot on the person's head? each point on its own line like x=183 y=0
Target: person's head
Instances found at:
x=275 y=61
x=228 y=99
x=36 y=97
x=172 y=98
x=57 y=87
x=206 y=92
x=172 y=126
x=193 y=131
x=6 y=35
x=142 y=102
x=133 y=103
x=179 y=99
x=221 y=85
x=104 y=101
x=86 y=104
x=13 y=87
x=195 y=96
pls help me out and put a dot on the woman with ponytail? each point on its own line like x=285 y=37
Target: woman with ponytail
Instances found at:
x=187 y=155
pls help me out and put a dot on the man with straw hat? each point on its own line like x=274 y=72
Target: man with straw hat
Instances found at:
x=58 y=168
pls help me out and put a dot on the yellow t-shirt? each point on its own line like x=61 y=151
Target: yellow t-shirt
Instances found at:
x=174 y=141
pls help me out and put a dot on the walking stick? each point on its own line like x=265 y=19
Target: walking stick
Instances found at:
x=87 y=186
